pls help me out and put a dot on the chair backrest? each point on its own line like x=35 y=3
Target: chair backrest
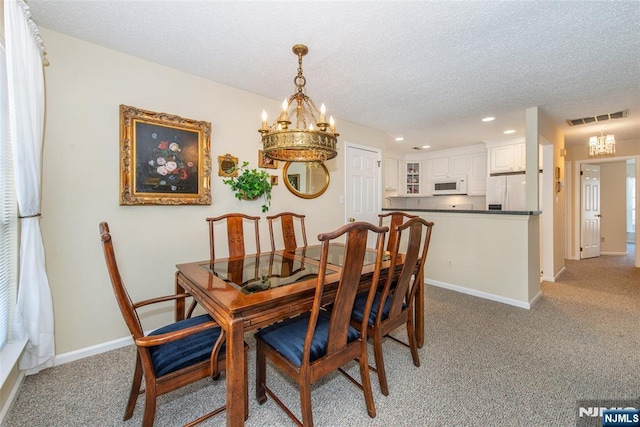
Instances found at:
x=122 y=296
x=418 y=235
x=235 y=233
x=396 y=218
x=352 y=267
x=287 y=224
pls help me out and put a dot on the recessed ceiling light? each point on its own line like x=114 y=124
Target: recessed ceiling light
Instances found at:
x=488 y=119
x=400 y=138
x=426 y=146
x=509 y=131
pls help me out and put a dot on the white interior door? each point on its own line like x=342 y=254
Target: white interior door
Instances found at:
x=590 y=207
x=362 y=177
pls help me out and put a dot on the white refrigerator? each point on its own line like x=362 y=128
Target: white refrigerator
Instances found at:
x=506 y=192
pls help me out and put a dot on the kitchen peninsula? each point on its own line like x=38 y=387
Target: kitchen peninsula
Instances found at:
x=485 y=253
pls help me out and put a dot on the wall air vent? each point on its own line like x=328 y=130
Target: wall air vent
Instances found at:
x=600 y=118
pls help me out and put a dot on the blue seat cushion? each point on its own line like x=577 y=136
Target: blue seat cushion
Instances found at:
x=361 y=301
x=287 y=337
x=175 y=355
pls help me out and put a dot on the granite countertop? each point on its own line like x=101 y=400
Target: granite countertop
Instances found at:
x=472 y=211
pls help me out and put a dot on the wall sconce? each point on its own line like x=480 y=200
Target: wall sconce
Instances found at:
x=557 y=177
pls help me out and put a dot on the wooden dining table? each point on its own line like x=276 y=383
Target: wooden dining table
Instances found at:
x=253 y=291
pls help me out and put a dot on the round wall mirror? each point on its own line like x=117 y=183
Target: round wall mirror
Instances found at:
x=306 y=180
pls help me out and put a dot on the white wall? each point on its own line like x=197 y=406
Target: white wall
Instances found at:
x=85 y=85
x=613 y=207
x=492 y=256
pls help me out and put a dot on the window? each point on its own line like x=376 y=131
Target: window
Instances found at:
x=8 y=214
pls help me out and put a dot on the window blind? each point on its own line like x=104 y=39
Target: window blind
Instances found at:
x=8 y=214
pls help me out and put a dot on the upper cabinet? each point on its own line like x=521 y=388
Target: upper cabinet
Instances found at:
x=411 y=178
x=507 y=158
x=391 y=175
x=477 y=182
x=448 y=167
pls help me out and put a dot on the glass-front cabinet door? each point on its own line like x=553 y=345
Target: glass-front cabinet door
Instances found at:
x=412 y=178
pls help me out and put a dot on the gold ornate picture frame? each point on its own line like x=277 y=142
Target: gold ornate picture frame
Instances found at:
x=164 y=159
x=227 y=166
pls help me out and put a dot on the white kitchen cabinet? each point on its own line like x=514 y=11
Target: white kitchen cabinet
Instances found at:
x=447 y=167
x=507 y=158
x=391 y=175
x=411 y=178
x=459 y=165
x=477 y=181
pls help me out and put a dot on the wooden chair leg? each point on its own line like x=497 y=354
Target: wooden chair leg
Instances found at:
x=135 y=389
x=261 y=374
x=377 y=352
x=149 y=405
x=305 y=404
x=413 y=342
x=366 y=382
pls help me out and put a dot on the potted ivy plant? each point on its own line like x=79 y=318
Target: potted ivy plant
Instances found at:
x=250 y=184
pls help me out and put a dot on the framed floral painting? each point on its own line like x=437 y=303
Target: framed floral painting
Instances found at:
x=266 y=162
x=164 y=159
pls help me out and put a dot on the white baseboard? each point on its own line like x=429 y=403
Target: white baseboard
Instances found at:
x=481 y=294
x=71 y=356
x=614 y=253
x=562 y=270
x=554 y=278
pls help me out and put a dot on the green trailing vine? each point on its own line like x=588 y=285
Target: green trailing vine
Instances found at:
x=250 y=184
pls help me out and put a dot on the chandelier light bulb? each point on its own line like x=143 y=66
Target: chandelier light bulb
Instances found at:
x=323 y=111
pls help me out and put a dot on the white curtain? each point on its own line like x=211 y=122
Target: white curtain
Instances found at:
x=34 y=311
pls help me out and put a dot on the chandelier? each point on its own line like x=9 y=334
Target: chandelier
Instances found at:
x=602 y=145
x=311 y=139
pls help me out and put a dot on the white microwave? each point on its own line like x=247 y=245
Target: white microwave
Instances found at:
x=444 y=186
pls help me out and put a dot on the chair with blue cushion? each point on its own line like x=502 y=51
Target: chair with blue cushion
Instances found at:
x=316 y=343
x=398 y=293
x=169 y=357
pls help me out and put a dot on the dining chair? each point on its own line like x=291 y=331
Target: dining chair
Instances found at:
x=398 y=294
x=172 y=356
x=235 y=233
x=394 y=218
x=316 y=343
x=287 y=224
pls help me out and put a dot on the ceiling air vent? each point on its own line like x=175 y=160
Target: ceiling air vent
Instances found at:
x=600 y=118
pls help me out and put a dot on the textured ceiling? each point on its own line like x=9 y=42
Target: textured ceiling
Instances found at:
x=428 y=71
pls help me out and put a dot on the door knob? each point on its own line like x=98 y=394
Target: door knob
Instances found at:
x=352 y=220
x=599 y=216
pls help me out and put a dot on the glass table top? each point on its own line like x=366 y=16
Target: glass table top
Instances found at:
x=335 y=255
x=255 y=273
